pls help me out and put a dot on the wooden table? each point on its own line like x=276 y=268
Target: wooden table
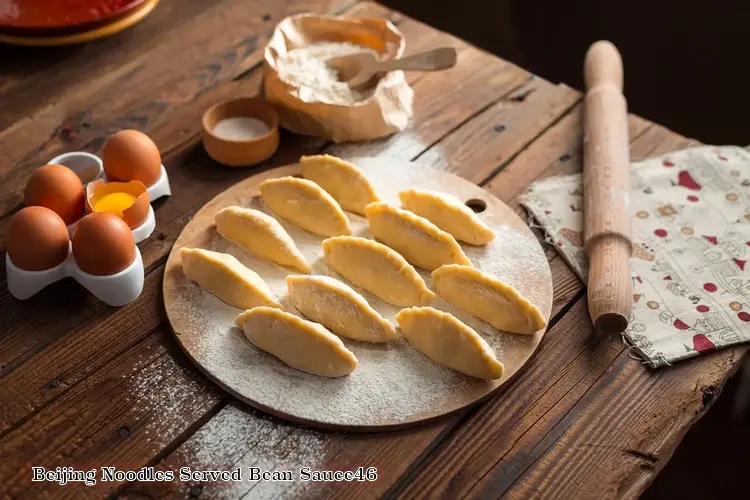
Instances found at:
x=87 y=385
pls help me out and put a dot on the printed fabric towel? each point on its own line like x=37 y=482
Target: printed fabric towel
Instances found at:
x=691 y=248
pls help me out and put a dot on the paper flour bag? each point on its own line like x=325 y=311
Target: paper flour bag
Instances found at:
x=306 y=94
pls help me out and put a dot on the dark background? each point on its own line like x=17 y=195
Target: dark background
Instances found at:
x=685 y=65
x=685 y=61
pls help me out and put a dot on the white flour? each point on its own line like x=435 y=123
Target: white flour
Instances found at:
x=236 y=437
x=306 y=68
x=393 y=383
x=240 y=128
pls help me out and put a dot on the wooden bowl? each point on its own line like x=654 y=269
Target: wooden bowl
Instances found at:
x=241 y=152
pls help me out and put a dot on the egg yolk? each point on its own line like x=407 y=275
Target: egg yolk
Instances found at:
x=114 y=203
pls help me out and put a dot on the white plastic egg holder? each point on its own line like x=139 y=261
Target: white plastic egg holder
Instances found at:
x=89 y=167
x=114 y=289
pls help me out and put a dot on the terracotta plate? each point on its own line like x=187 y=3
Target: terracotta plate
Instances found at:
x=77 y=33
x=56 y=14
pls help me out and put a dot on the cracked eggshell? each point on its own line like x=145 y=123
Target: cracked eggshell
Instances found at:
x=135 y=214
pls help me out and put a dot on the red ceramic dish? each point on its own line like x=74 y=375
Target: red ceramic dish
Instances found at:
x=58 y=16
x=74 y=35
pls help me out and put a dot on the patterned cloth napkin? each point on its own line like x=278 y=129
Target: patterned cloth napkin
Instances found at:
x=691 y=235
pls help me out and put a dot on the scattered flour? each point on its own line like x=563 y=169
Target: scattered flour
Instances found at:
x=236 y=437
x=393 y=383
x=306 y=68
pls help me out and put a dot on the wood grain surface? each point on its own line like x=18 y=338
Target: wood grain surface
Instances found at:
x=86 y=385
x=423 y=394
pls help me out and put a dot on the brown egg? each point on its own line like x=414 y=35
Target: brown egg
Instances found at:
x=103 y=244
x=57 y=188
x=37 y=239
x=130 y=155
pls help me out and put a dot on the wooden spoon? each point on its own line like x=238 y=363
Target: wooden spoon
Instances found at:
x=359 y=69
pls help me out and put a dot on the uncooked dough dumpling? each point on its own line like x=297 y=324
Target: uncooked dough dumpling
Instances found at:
x=342 y=180
x=224 y=276
x=301 y=344
x=378 y=269
x=306 y=204
x=488 y=298
x=339 y=308
x=420 y=241
x=260 y=234
x=446 y=340
x=449 y=214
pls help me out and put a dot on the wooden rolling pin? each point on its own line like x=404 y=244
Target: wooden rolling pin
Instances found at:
x=606 y=188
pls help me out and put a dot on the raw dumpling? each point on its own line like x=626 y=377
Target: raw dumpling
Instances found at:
x=226 y=277
x=342 y=180
x=448 y=213
x=488 y=299
x=420 y=241
x=301 y=344
x=339 y=308
x=378 y=269
x=306 y=204
x=448 y=341
x=260 y=234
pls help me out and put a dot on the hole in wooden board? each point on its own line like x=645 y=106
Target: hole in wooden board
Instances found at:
x=477 y=205
x=298 y=176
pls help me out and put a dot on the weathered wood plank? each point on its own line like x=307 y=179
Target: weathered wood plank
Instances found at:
x=478 y=80
x=131 y=435
x=241 y=437
x=536 y=161
x=192 y=195
x=29 y=333
x=135 y=88
x=394 y=451
x=27 y=71
x=149 y=391
x=179 y=130
x=630 y=422
x=502 y=123
x=195 y=179
x=603 y=412
x=44 y=340
x=557 y=152
x=174 y=41
x=256 y=440
x=74 y=365
x=51 y=366
x=562 y=371
x=174 y=121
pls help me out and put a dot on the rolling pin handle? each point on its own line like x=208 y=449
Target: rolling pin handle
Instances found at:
x=603 y=66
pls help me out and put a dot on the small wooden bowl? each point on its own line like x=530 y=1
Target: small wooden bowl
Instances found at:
x=241 y=153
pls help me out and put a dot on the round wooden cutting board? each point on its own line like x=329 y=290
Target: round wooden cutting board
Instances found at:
x=394 y=385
